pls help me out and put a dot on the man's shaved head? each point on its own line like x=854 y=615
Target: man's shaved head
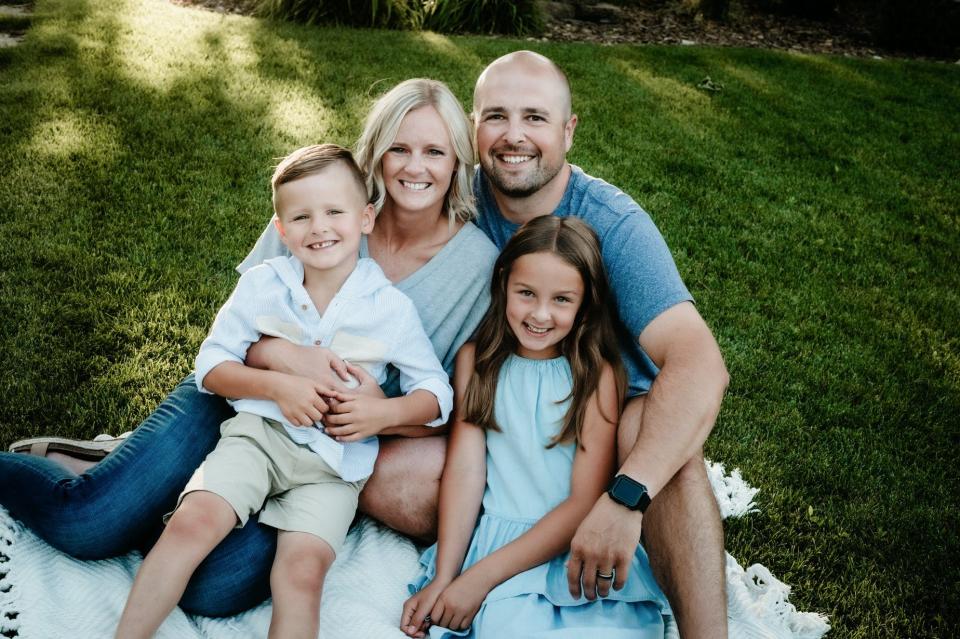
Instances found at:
x=524 y=123
x=527 y=62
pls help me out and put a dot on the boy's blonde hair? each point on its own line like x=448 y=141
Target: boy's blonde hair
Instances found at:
x=383 y=123
x=313 y=159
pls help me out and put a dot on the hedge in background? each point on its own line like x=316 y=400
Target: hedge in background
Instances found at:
x=446 y=16
x=483 y=16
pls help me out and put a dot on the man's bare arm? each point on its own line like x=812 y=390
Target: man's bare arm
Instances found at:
x=678 y=414
x=684 y=400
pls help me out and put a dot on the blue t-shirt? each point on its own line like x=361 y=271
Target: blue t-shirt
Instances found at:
x=643 y=276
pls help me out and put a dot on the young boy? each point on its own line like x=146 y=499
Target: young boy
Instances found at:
x=274 y=456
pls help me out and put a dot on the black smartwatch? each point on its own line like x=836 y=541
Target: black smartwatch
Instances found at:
x=629 y=492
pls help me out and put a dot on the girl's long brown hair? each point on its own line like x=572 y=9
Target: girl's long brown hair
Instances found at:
x=591 y=342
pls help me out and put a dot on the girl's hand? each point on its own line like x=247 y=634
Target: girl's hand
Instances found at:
x=415 y=619
x=355 y=417
x=459 y=602
x=300 y=399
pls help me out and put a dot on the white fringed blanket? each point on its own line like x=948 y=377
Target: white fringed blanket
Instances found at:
x=45 y=594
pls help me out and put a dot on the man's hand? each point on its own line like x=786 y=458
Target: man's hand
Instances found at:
x=415 y=619
x=605 y=542
x=459 y=602
x=355 y=417
x=300 y=399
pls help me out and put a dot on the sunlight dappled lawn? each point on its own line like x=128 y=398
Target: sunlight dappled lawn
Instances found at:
x=812 y=206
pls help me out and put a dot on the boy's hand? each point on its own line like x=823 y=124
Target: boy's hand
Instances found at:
x=300 y=399
x=415 y=619
x=368 y=383
x=355 y=417
x=459 y=602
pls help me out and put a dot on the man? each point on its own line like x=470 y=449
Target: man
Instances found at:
x=525 y=126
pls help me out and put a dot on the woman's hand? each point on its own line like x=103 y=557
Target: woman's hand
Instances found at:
x=415 y=619
x=459 y=602
x=315 y=362
x=300 y=399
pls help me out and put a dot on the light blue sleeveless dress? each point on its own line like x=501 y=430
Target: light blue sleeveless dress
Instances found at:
x=525 y=481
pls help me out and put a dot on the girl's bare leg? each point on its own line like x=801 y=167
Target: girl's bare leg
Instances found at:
x=296 y=583
x=199 y=524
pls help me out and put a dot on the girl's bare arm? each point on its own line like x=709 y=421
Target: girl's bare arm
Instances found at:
x=461 y=492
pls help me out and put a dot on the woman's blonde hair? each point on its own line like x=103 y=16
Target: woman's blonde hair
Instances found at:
x=383 y=123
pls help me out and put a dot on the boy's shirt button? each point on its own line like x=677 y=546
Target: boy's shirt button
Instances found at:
x=318 y=342
x=304 y=306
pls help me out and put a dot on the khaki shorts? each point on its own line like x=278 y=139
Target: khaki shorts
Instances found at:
x=256 y=467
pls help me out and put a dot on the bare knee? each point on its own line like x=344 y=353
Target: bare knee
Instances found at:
x=303 y=568
x=404 y=489
x=202 y=520
x=692 y=472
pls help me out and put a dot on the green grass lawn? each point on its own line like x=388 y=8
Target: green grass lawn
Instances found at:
x=813 y=207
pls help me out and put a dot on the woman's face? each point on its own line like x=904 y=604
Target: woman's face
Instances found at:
x=419 y=165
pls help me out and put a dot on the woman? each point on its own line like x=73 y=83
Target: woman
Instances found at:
x=417 y=151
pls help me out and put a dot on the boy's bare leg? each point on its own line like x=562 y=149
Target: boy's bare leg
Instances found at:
x=405 y=487
x=199 y=524
x=296 y=583
x=684 y=539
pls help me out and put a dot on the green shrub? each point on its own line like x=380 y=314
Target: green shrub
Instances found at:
x=386 y=14
x=483 y=16
x=446 y=16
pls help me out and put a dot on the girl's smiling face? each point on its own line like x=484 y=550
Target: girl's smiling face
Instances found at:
x=543 y=296
x=419 y=166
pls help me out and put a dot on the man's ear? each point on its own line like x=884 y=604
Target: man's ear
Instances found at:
x=367 y=218
x=568 y=130
x=277 y=223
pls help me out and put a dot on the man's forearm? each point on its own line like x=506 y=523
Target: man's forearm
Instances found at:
x=679 y=412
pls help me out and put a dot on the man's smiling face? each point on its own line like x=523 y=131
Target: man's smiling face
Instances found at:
x=524 y=126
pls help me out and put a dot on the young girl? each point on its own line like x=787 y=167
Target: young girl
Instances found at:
x=534 y=442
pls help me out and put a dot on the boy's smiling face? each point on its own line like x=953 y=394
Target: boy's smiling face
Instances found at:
x=321 y=218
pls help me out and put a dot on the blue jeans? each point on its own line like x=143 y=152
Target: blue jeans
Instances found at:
x=118 y=505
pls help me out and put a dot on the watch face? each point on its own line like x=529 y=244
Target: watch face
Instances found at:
x=628 y=491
